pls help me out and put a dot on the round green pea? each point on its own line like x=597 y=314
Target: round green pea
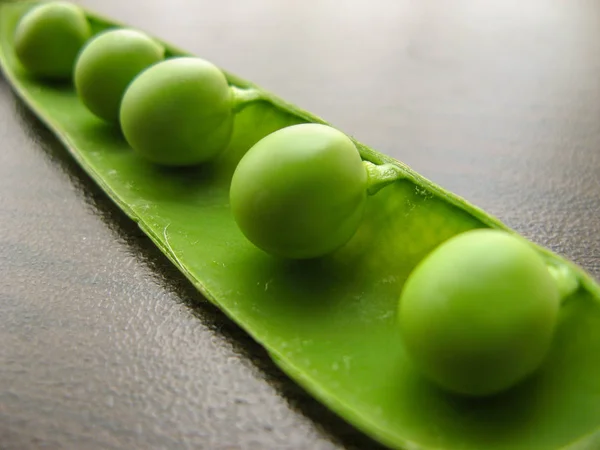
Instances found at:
x=300 y=192
x=106 y=66
x=49 y=37
x=478 y=314
x=178 y=112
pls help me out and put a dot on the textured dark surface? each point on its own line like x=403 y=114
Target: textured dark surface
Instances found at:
x=104 y=345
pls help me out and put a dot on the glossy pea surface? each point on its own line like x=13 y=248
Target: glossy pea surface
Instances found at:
x=106 y=66
x=478 y=313
x=178 y=112
x=49 y=37
x=300 y=192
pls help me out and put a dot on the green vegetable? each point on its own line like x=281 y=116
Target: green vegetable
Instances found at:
x=331 y=324
x=300 y=192
x=48 y=39
x=178 y=112
x=478 y=313
x=106 y=66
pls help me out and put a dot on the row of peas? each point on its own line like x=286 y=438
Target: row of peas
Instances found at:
x=179 y=111
x=477 y=314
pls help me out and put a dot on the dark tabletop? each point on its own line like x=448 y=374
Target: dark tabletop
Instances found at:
x=103 y=344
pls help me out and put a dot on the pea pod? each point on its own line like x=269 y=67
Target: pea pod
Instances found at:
x=331 y=324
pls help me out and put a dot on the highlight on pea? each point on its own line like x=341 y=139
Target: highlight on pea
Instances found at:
x=478 y=314
x=108 y=63
x=48 y=39
x=300 y=192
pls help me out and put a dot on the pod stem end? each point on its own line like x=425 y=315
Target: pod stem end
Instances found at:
x=244 y=97
x=566 y=280
x=379 y=176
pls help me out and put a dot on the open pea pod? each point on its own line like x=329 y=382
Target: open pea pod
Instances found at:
x=330 y=324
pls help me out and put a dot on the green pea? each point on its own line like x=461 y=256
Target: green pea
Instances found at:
x=178 y=112
x=49 y=37
x=106 y=66
x=300 y=192
x=478 y=314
